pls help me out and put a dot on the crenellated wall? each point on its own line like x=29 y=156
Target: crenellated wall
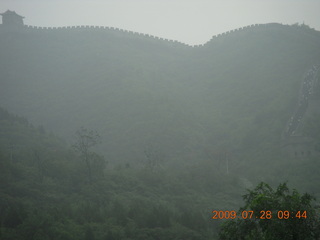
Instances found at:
x=218 y=37
x=104 y=29
x=244 y=29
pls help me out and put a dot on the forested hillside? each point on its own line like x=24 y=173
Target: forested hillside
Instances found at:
x=46 y=193
x=183 y=129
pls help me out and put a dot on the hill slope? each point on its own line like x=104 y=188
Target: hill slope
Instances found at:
x=45 y=193
x=236 y=92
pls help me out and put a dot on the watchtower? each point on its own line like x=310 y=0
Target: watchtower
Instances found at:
x=11 y=18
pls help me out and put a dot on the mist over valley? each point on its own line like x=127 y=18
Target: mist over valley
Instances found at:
x=144 y=136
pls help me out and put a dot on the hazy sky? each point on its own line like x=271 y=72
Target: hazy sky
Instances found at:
x=189 y=21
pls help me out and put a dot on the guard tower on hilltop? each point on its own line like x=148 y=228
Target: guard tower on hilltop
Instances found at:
x=11 y=19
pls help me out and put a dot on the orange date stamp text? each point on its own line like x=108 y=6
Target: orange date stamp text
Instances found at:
x=263 y=214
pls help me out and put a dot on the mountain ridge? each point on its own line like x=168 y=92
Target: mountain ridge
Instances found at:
x=117 y=30
x=147 y=90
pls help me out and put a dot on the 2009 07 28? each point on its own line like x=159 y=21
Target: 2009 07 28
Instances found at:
x=263 y=214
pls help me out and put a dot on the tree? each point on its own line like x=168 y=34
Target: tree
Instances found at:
x=153 y=158
x=86 y=139
x=276 y=214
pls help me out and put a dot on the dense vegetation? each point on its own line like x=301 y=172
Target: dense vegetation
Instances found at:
x=274 y=214
x=183 y=130
x=46 y=193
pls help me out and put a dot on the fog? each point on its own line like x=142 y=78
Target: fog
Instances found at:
x=112 y=134
x=191 y=22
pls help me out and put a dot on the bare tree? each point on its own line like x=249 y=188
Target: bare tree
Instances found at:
x=86 y=139
x=153 y=158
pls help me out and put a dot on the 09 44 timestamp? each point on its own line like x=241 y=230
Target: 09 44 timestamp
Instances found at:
x=263 y=214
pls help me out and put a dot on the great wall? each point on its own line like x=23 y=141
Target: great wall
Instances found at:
x=128 y=33
x=295 y=143
x=143 y=35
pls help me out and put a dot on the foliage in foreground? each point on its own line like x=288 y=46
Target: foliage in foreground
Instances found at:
x=277 y=214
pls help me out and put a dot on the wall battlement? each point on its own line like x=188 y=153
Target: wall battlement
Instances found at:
x=102 y=29
x=143 y=35
x=254 y=27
